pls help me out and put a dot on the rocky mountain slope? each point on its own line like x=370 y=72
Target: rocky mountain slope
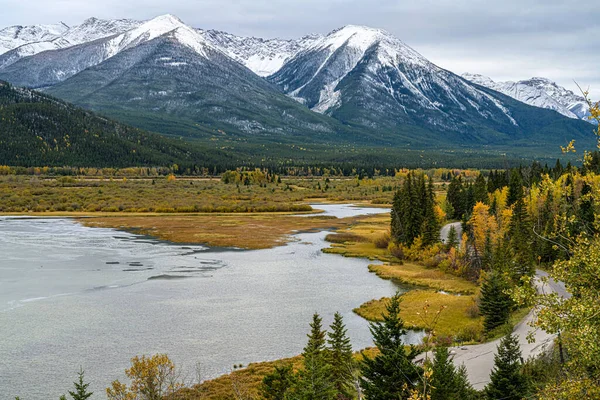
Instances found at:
x=18 y=45
x=354 y=86
x=538 y=92
x=262 y=56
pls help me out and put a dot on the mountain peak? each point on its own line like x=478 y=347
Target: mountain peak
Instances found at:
x=168 y=19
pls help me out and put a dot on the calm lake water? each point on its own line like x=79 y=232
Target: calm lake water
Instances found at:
x=73 y=296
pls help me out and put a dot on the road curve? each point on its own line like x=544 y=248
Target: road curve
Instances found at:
x=479 y=359
x=444 y=232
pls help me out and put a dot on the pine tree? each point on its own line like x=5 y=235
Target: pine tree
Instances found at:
x=314 y=381
x=455 y=196
x=443 y=377
x=495 y=303
x=464 y=390
x=341 y=359
x=278 y=384
x=520 y=232
x=391 y=374
x=448 y=382
x=452 y=240
x=507 y=381
x=431 y=225
x=480 y=192
x=515 y=187
x=81 y=392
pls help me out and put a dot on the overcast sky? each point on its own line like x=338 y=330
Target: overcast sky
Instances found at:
x=504 y=39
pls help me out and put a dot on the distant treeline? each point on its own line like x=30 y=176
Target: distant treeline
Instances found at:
x=499 y=177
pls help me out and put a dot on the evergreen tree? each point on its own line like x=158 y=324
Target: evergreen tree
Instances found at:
x=391 y=374
x=507 y=381
x=278 y=384
x=341 y=359
x=314 y=381
x=81 y=392
x=431 y=226
x=452 y=240
x=520 y=234
x=515 y=187
x=443 y=376
x=464 y=390
x=455 y=196
x=480 y=192
x=448 y=382
x=495 y=303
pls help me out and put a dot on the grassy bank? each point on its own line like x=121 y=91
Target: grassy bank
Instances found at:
x=26 y=194
x=414 y=274
x=247 y=231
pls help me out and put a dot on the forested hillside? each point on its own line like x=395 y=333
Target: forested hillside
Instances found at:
x=38 y=130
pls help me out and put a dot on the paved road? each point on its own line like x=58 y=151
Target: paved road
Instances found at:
x=446 y=230
x=479 y=359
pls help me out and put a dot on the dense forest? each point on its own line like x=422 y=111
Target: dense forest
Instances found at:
x=41 y=131
x=38 y=130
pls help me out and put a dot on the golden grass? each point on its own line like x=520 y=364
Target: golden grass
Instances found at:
x=357 y=240
x=453 y=319
x=248 y=231
x=247 y=380
x=414 y=274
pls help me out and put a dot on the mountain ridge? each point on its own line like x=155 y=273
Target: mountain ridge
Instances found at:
x=355 y=86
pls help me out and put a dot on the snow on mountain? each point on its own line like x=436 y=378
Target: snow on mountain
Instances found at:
x=575 y=103
x=94 y=28
x=90 y=30
x=384 y=80
x=15 y=36
x=262 y=56
x=538 y=92
x=49 y=68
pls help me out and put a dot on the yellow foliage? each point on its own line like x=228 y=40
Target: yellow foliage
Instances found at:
x=439 y=213
x=483 y=225
x=151 y=378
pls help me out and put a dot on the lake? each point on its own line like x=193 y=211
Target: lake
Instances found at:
x=74 y=296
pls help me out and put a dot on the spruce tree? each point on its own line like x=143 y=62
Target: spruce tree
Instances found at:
x=448 y=382
x=452 y=240
x=341 y=359
x=81 y=392
x=515 y=187
x=443 y=376
x=480 y=192
x=455 y=196
x=520 y=232
x=391 y=374
x=495 y=303
x=431 y=226
x=314 y=381
x=464 y=390
x=507 y=381
x=278 y=384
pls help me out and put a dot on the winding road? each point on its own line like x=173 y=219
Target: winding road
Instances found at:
x=479 y=359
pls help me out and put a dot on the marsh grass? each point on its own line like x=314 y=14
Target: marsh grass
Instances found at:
x=414 y=274
x=452 y=319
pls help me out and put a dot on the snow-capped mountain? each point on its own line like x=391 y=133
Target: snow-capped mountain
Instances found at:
x=367 y=76
x=538 y=92
x=575 y=103
x=61 y=36
x=48 y=68
x=357 y=84
x=262 y=56
x=15 y=36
